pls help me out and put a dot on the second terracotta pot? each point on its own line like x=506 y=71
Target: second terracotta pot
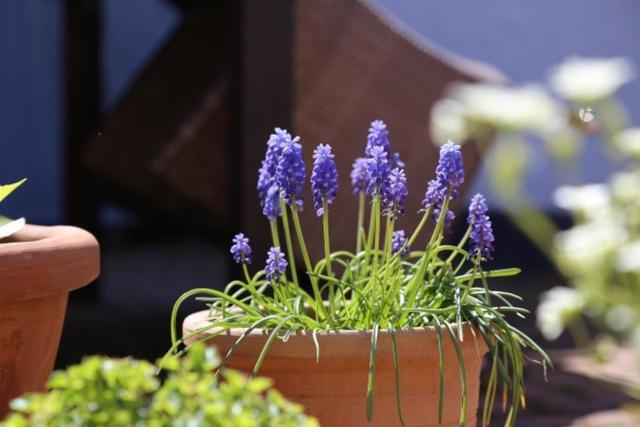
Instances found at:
x=334 y=389
x=39 y=266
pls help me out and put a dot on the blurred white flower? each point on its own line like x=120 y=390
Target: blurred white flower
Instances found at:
x=585 y=80
x=562 y=141
x=448 y=122
x=628 y=257
x=513 y=108
x=634 y=337
x=557 y=307
x=586 y=201
x=625 y=188
x=620 y=318
x=508 y=163
x=585 y=247
x=628 y=142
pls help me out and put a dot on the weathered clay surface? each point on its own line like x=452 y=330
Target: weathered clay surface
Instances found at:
x=39 y=266
x=334 y=389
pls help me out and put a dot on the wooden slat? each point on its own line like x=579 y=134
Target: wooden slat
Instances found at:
x=266 y=93
x=197 y=164
x=165 y=98
x=353 y=65
x=82 y=101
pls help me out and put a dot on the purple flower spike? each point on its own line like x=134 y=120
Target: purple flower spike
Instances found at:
x=290 y=172
x=378 y=169
x=359 y=175
x=378 y=137
x=449 y=175
x=267 y=172
x=481 y=239
x=433 y=198
x=276 y=264
x=450 y=171
x=324 y=178
x=448 y=218
x=241 y=250
x=265 y=180
x=435 y=194
x=396 y=161
x=271 y=203
x=396 y=193
x=398 y=242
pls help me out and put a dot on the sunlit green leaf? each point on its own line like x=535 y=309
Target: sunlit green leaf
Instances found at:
x=5 y=190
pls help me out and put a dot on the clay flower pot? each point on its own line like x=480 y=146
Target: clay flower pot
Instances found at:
x=39 y=266
x=334 y=389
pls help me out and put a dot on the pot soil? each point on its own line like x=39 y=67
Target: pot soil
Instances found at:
x=334 y=389
x=39 y=266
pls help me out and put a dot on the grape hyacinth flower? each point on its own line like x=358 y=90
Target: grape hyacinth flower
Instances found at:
x=396 y=194
x=433 y=198
x=448 y=217
x=396 y=161
x=324 y=178
x=481 y=238
x=435 y=194
x=450 y=171
x=378 y=137
x=398 y=243
x=359 y=175
x=276 y=264
x=290 y=172
x=271 y=203
x=267 y=172
x=378 y=169
x=241 y=250
x=449 y=176
x=265 y=181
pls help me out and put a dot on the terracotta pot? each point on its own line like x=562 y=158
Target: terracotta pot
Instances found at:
x=39 y=266
x=334 y=389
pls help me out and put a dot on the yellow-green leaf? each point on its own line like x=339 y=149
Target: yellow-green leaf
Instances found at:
x=5 y=190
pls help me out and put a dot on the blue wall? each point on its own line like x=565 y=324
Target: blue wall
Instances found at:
x=31 y=106
x=521 y=38
x=525 y=38
x=31 y=88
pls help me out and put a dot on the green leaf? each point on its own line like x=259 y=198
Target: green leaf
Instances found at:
x=372 y=371
x=5 y=190
x=440 y=370
x=396 y=368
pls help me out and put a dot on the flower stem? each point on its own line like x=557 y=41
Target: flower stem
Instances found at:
x=327 y=253
x=419 y=228
x=470 y=283
x=307 y=262
x=287 y=236
x=388 y=259
x=463 y=241
x=423 y=263
x=274 y=232
x=360 y=221
x=325 y=232
x=246 y=273
x=388 y=237
x=375 y=215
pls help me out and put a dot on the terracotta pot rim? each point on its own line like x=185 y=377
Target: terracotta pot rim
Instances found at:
x=200 y=317
x=46 y=260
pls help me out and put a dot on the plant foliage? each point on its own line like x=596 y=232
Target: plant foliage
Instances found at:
x=127 y=393
x=382 y=285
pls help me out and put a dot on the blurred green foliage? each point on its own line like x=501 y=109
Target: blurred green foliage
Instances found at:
x=126 y=392
x=599 y=255
x=8 y=226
